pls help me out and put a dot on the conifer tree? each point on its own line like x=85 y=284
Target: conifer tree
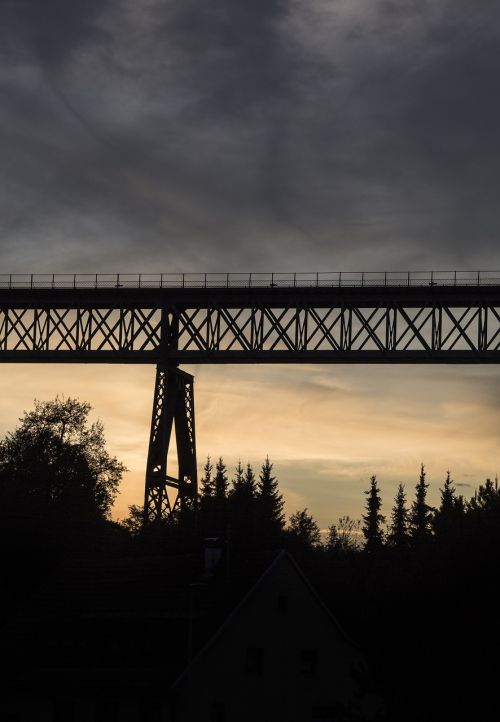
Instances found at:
x=486 y=497
x=249 y=482
x=399 y=528
x=270 y=503
x=206 y=481
x=451 y=508
x=214 y=521
x=238 y=480
x=421 y=514
x=242 y=507
x=373 y=519
x=220 y=480
x=244 y=488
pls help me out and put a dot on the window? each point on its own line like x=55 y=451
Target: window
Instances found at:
x=255 y=661
x=218 y=712
x=308 y=662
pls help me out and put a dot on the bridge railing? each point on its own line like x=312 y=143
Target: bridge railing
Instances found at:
x=321 y=279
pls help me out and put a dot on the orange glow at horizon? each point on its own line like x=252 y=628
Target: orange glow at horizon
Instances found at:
x=327 y=429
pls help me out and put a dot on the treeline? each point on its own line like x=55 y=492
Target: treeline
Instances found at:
x=410 y=526
x=245 y=511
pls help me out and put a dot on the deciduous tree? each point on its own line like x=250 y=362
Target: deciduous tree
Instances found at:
x=56 y=462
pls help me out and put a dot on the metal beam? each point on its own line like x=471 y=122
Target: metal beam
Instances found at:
x=173 y=407
x=295 y=326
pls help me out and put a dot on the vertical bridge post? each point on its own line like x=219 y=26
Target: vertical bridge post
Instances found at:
x=173 y=405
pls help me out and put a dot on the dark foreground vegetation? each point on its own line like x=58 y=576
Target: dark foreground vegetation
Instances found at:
x=417 y=592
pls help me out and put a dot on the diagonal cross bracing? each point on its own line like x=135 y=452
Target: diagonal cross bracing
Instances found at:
x=256 y=325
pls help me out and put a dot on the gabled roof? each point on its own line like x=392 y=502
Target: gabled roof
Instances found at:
x=282 y=556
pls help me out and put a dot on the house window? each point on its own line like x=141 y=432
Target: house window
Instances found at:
x=308 y=662
x=254 y=661
x=218 y=712
x=282 y=604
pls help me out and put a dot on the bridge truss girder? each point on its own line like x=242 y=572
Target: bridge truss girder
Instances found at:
x=218 y=333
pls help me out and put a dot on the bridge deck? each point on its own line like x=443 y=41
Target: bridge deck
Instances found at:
x=370 y=318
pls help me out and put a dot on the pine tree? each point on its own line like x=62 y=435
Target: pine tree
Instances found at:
x=270 y=504
x=207 y=483
x=451 y=508
x=242 y=507
x=220 y=482
x=244 y=488
x=249 y=482
x=486 y=498
x=373 y=519
x=238 y=480
x=421 y=514
x=399 y=529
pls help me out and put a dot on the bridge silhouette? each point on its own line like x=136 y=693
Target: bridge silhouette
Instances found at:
x=210 y=318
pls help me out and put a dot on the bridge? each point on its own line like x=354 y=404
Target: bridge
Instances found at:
x=171 y=319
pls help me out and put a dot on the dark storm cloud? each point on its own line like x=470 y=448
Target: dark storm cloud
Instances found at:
x=239 y=134
x=52 y=28
x=235 y=53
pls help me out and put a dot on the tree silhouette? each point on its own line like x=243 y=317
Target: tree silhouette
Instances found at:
x=399 y=529
x=486 y=498
x=220 y=483
x=305 y=529
x=373 y=519
x=214 y=507
x=344 y=536
x=269 y=504
x=451 y=508
x=55 y=462
x=206 y=481
x=242 y=506
x=249 y=482
x=238 y=479
x=421 y=514
x=243 y=493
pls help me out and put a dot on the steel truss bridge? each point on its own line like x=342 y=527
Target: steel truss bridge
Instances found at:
x=170 y=319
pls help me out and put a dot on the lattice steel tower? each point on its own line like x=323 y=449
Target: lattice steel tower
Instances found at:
x=173 y=406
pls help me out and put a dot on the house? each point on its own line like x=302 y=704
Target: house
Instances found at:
x=279 y=655
x=160 y=640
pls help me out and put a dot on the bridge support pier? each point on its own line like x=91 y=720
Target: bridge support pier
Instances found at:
x=173 y=406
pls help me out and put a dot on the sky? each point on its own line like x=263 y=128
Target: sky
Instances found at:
x=273 y=135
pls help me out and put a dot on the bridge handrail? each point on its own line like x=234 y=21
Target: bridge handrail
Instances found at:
x=321 y=279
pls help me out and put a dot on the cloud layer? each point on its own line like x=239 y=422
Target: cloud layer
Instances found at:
x=231 y=135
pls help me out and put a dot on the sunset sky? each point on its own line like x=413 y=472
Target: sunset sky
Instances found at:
x=272 y=135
